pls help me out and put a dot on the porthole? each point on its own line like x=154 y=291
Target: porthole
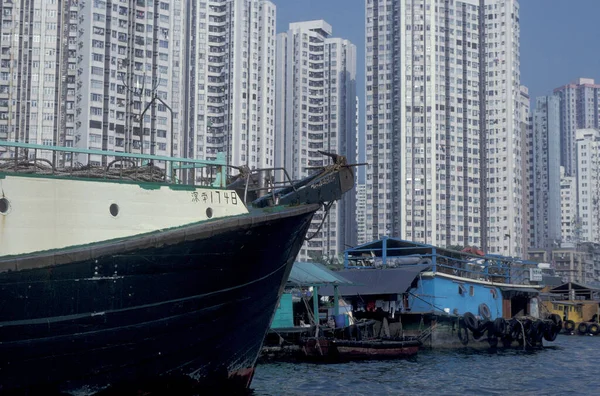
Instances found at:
x=209 y=213
x=114 y=210
x=4 y=205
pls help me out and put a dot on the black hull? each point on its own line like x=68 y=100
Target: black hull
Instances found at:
x=189 y=306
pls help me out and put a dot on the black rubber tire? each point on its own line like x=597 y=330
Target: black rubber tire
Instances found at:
x=471 y=321
x=569 y=325
x=520 y=342
x=550 y=333
x=493 y=341
x=516 y=329
x=477 y=335
x=594 y=328
x=506 y=341
x=485 y=311
x=556 y=320
x=537 y=331
x=582 y=328
x=499 y=326
x=463 y=334
x=528 y=325
x=485 y=325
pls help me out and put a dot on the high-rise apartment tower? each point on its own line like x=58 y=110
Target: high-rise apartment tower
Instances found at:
x=443 y=124
x=579 y=109
x=316 y=111
x=546 y=173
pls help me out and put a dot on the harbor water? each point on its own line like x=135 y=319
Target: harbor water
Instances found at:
x=571 y=364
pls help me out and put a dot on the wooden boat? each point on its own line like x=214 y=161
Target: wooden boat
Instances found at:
x=375 y=349
x=338 y=350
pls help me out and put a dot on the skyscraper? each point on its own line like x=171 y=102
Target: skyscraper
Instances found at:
x=229 y=95
x=316 y=111
x=570 y=227
x=579 y=109
x=361 y=207
x=105 y=75
x=546 y=173
x=528 y=170
x=127 y=55
x=86 y=71
x=443 y=129
x=588 y=184
x=37 y=40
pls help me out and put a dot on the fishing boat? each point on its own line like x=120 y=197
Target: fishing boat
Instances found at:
x=122 y=278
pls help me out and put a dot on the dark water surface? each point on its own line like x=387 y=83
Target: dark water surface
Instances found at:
x=569 y=365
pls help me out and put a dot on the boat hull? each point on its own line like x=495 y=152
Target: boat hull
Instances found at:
x=187 y=307
x=376 y=349
x=336 y=350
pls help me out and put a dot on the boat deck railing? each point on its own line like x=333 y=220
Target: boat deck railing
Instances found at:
x=491 y=268
x=18 y=157
x=27 y=158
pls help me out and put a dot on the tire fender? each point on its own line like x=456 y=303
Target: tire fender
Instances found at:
x=471 y=321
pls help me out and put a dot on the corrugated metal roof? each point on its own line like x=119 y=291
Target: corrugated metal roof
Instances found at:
x=378 y=281
x=580 y=287
x=314 y=274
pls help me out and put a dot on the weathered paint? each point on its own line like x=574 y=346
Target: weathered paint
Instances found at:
x=284 y=315
x=50 y=213
x=438 y=294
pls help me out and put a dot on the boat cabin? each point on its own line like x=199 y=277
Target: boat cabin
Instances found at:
x=398 y=276
x=573 y=301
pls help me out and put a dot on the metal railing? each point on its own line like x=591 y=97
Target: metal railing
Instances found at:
x=77 y=162
x=492 y=268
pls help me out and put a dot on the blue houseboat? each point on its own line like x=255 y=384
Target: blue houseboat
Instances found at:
x=445 y=297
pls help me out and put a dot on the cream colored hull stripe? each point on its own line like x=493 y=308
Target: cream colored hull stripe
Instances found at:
x=43 y=213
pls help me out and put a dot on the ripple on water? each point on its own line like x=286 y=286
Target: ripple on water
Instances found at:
x=569 y=364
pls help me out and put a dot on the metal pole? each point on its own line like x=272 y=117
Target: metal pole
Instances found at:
x=142 y=124
x=172 y=128
x=142 y=133
x=316 y=304
x=336 y=301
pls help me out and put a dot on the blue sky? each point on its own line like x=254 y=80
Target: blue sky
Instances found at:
x=560 y=39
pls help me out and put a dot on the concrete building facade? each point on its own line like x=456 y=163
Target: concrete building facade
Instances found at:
x=230 y=96
x=125 y=59
x=588 y=184
x=189 y=78
x=37 y=44
x=316 y=111
x=443 y=123
x=528 y=170
x=570 y=227
x=361 y=209
x=579 y=109
x=546 y=173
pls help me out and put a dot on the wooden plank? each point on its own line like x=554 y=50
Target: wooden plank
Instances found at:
x=506 y=309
